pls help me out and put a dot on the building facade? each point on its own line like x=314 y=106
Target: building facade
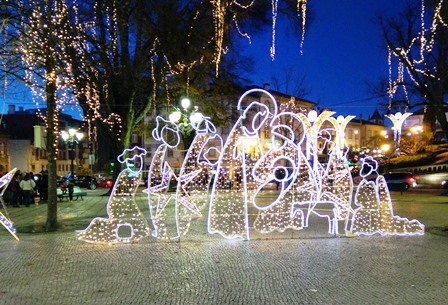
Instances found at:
x=25 y=147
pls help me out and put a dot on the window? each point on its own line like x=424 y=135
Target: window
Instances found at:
x=134 y=138
x=148 y=150
x=266 y=132
x=350 y=134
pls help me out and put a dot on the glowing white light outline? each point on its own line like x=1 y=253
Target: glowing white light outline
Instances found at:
x=205 y=160
x=141 y=152
x=368 y=161
x=93 y=225
x=239 y=126
x=6 y=221
x=291 y=176
x=127 y=239
x=182 y=196
x=235 y=149
x=158 y=135
x=398 y=120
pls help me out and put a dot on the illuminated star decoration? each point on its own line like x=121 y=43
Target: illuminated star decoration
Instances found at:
x=5 y=220
x=125 y=222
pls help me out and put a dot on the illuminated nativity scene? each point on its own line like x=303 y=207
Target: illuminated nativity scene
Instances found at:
x=220 y=182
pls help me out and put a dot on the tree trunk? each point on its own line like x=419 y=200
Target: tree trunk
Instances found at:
x=439 y=108
x=52 y=208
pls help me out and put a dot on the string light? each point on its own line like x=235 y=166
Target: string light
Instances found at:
x=409 y=60
x=306 y=186
x=5 y=219
x=374 y=214
x=125 y=222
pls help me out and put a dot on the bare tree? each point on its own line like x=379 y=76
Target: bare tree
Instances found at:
x=418 y=46
x=293 y=83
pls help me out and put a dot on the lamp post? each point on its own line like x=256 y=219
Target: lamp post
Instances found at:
x=398 y=120
x=72 y=137
x=185 y=119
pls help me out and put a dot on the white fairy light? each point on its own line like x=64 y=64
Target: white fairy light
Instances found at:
x=398 y=120
x=374 y=214
x=414 y=55
x=244 y=167
x=125 y=222
x=5 y=219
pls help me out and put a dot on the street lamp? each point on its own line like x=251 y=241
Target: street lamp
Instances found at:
x=186 y=120
x=193 y=116
x=72 y=137
x=398 y=120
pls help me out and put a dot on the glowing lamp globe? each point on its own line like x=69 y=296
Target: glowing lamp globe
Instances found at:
x=196 y=117
x=64 y=135
x=312 y=116
x=185 y=102
x=175 y=117
x=79 y=135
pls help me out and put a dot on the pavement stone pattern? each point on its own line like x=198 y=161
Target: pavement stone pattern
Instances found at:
x=296 y=268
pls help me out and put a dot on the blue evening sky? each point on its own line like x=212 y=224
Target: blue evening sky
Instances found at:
x=342 y=51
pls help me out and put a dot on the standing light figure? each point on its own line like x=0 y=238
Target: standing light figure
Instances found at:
x=398 y=120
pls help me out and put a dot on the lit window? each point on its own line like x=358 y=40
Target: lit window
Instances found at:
x=350 y=134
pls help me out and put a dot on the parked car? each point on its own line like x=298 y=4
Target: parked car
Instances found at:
x=400 y=181
x=105 y=183
x=81 y=181
x=445 y=184
x=86 y=181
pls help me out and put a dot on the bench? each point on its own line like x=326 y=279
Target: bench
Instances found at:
x=77 y=193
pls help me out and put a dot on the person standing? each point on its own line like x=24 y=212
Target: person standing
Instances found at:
x=70 y=188
x=27 y=185
x=43 y=187
x=14 y=190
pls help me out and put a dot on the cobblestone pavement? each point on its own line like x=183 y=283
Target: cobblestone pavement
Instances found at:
x=289 y=268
